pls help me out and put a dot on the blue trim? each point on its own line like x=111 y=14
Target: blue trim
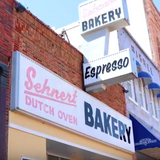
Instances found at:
x=147 y=79
x=153 y=85
x=143 y=74
x=139 y=68
x=142 y=137
x=138 y=64
x=158 y=96
x=155 y=88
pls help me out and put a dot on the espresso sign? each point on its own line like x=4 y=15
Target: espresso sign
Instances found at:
x=96 y=14
x=111 y=69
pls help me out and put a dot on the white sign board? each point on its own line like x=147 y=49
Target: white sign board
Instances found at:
x=111 y=69
x=96 y=14
x=125 y=41
x=41 y=93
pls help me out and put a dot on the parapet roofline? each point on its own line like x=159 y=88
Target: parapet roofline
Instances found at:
x=141 y=48
x=68 y=27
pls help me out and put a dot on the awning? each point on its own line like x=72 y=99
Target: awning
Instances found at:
x=147 y=79
x=155 y=87
x=142 y=137
x=139 y=68
x=158 y=96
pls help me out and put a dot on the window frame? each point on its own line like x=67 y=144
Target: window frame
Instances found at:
x=133 y=94
x=141 y=91
x=152 y=104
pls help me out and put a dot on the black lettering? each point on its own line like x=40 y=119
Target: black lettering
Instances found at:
x=114 y=67
x=108 y=68
x=87 y=72
x=104 y=17
x=104 y=66
x=91 y=23
x=118 y=12
x=121 y=131
x=111 y=15
x=120 y=64
x=98 y=120
x=107 y=123
x=114 y=127
x=84 y=26
x=98 y=71
x=97 y=21
x=88 y=114
x=125 y=62
x=93 y=72
x=128 y=131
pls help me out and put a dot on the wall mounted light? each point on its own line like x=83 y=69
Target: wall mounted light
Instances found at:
x=20 y=8
x=125 y=90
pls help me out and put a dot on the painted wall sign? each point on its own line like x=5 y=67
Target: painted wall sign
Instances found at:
x=94 y=14
x=111 y=69
x=125 y=41
x=41 y=93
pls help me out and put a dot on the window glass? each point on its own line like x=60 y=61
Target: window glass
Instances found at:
x=152 y=104
x=131 y=89
x=159 y=107
x=141 y=94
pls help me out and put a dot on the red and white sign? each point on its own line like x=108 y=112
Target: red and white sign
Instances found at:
x=38 y=92
x=111 y=14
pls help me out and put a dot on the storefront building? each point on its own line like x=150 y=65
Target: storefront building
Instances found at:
x=45 y=111
x=142 y=93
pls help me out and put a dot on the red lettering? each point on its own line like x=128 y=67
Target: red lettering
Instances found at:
x=37 y=87
x=34 y=103
x=29 y=84
x=70 y=119
x=51 y=110
x=40 y=105
x=96 y=7
x=67 y=117
x=45 y=89
x=74 y=97
x=60 y=114
x=46 y=106
x=62 y=96
x=75 y=120
x=28 y=100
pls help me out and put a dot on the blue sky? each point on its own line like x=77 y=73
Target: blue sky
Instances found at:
x=58 y=13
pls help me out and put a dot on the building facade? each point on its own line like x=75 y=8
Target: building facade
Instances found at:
x=142 y=99
x=45 y=113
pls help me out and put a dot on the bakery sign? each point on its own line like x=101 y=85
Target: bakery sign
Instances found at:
x=38 y=92
x=96 y=14
x=110 y=69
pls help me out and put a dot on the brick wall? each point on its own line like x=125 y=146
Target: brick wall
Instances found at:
x=6 y=22
x=153 y=19
x=26 y=33
x=39 y=42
